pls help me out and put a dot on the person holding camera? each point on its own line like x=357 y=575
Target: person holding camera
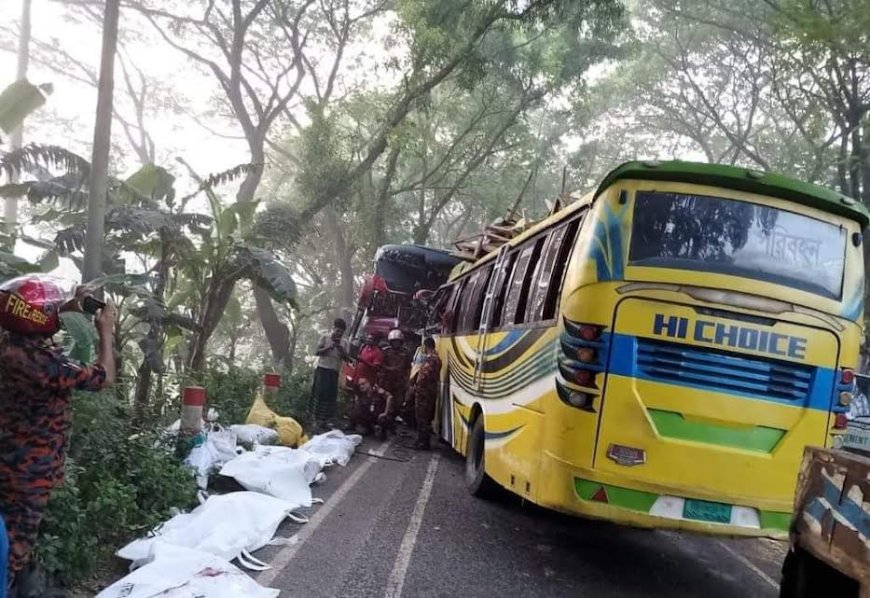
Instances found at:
x=36 y=381
x=330 y=354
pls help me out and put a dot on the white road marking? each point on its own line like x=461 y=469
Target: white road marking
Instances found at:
x=403 y=558
x=754 y=568
x=283 y=558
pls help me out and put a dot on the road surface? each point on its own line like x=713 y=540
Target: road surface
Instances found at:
x=403 y=525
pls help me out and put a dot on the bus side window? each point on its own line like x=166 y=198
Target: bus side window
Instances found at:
x=547 y=284
x=515 y=305
x=503 y=281
x=451 y=318
x=472 y=301
x=541 y=279
x=557 y=278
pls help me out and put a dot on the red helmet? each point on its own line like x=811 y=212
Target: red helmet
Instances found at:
x=30 y=304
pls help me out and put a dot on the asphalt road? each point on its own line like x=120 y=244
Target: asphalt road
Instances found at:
x=403 y=525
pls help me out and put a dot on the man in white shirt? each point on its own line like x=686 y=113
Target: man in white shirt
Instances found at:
x=330 y=354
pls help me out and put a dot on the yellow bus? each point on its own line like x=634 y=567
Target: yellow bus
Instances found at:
x=659 y=352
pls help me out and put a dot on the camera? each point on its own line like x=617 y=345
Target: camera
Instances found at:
x=91 y=305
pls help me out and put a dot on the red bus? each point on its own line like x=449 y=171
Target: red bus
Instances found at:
x=395 y=295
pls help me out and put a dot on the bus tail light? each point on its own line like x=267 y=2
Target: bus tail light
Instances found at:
x=840 y=421
x=590 y=333
x=845 y=398
x=584 y=378
x=586 y=355
x=847 y=376
x=580 y=400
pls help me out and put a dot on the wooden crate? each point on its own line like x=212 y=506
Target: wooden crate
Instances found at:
x=832 y=511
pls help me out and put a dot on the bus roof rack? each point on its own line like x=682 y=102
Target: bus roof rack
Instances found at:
x=743 y=179
x=492 y=237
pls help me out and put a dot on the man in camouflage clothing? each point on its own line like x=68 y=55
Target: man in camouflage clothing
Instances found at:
x=426 y=394
x=395 y=372
x=371 y=406
x=36 y=380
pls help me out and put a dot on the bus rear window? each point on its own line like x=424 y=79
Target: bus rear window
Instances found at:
x=739 y=238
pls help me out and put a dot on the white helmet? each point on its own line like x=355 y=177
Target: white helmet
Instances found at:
x=395 y=335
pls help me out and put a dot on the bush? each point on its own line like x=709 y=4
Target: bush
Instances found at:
x=117 y=487
x=232 y=393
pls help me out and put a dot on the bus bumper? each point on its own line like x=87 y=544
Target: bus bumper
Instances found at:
x=569 y=489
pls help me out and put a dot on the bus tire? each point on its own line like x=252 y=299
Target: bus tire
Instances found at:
x=478 y=483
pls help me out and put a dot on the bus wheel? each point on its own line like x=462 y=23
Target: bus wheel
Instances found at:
x=478 y=483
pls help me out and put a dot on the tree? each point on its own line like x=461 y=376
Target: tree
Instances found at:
x=10 y=207
x=98 y=188
x=776 y=85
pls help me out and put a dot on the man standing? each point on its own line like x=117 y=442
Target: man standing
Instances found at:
x=371 y=406
x=426 y=394
x=395 y=370
x=36 y=381
x=370 y=358
x=324 y=391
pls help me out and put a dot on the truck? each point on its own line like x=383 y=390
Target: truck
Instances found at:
x=830 y=533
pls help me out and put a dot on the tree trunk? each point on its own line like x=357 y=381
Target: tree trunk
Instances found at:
x=344 y=258
x=155 y=334
x=102 y=143
x=276 y=331
x=220 y=289
x=16 y=140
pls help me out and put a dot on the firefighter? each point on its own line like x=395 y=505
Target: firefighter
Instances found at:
x=371 y=406
x=36 y=381
x=395 y=371
x=426 y=394
x=370 y=358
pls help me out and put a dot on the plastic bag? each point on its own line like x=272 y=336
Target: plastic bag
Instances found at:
x=176 y=572
x=333 y=447
x=278 y=471
x=288 y=429
x=218 y=448
x=224 y=526
x=251 y=434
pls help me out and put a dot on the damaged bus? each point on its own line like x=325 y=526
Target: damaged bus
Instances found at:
x=659 y=352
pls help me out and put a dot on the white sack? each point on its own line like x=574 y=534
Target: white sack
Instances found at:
x=177 y=572
x=251 y=434
x=218 y=448
x=333 y=447
x=224 y=526
x=278 y=471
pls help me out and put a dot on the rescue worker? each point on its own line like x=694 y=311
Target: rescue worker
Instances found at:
x=371 y=404
x=395 y=370
x=408 y=407
x=426 y=394
x=370 y=358
x=330 y=353
x=36 y=381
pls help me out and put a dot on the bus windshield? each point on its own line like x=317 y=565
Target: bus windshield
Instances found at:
x=740 y=238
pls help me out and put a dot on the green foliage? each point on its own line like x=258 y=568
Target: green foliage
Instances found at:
x=117 y=487
x=37 y=158
x=231 y=391
x=80 y=335
x=267 y=272
x=19 y=100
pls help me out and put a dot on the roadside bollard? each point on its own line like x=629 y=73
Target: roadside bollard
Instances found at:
x=271 y=385
x=190 y=434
